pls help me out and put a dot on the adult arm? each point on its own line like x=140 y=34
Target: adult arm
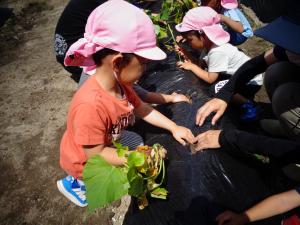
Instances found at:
x=233 y=141
x=242 y=76
x=245 y=73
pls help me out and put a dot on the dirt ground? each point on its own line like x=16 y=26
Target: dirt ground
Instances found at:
x=35 y=95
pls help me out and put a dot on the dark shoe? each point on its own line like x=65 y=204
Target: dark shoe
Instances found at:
x=249 y=111
x=292 y=171
x=272 y=127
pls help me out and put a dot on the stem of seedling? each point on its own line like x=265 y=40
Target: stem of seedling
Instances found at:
x=163 y=173
x=174 y=40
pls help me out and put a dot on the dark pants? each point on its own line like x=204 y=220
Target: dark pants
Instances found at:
x=282 y=82
x=131 y=139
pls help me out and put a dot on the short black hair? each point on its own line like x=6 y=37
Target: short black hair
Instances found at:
x=100 y=55
x=191 y=32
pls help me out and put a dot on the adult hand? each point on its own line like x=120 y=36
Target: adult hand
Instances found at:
x=187 y=65
x=231 y=218
x=214 y=105
x=208 y=139
x=183 y=134
x=179 y=98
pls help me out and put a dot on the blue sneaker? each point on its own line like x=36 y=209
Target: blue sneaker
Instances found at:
x=71 y=189
x=249 y=111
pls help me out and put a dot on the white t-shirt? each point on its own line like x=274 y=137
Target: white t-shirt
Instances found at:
x=227 y=59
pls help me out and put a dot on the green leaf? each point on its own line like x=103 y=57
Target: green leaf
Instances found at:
x=121 y=150
x=136 y=183
x=151 y=185
x=165 y=15
x=178 y=18
x=136 y=159
x=162 y=33
x=117 y=144
x=148 y=12
x=104 y=183
x=157 y=29
x=262 y=158
x=132 y=173
x=155 y=18
x=160 y=193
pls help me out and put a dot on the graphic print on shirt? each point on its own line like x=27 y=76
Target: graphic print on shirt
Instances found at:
x=123 y=121
x=219 y=85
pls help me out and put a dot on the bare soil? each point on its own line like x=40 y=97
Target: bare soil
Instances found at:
x=35 y=93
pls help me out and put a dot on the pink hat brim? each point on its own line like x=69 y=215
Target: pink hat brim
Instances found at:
x=182 y=28
x=231 y=5
x=154 y=53
x=216 y=34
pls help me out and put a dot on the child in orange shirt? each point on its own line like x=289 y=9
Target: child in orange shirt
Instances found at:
x=119 y=40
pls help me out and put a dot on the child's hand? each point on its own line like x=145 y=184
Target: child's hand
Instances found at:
x=221 y=17
x=179 y=98
x=182 y=134
x=187 y=65
x=180 y=51
x=179 y=38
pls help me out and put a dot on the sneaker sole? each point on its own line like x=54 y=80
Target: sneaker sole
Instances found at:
x=62 y=190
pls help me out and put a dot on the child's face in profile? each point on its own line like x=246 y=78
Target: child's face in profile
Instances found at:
x=194 y=41
x=133 y=70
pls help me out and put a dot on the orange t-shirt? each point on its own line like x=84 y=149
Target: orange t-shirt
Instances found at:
x=95 y=117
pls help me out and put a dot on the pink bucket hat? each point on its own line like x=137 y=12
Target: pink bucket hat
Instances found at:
x=119 y=26
x=229 y=4
x=207 y=20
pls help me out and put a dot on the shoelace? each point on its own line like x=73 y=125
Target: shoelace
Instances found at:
x=80 y=193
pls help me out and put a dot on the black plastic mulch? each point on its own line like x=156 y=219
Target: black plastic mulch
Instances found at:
x=204 y=184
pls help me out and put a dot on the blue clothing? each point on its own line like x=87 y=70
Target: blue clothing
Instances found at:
x=237 y=15
x=236 y=38
x=298 y=189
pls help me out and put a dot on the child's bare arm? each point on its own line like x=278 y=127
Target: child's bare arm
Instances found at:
x=152 y=116
x=234 y=25
x=108 y=153
x=271 y=206
x=208 y=77
x=160 y=98
x=274 y=205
